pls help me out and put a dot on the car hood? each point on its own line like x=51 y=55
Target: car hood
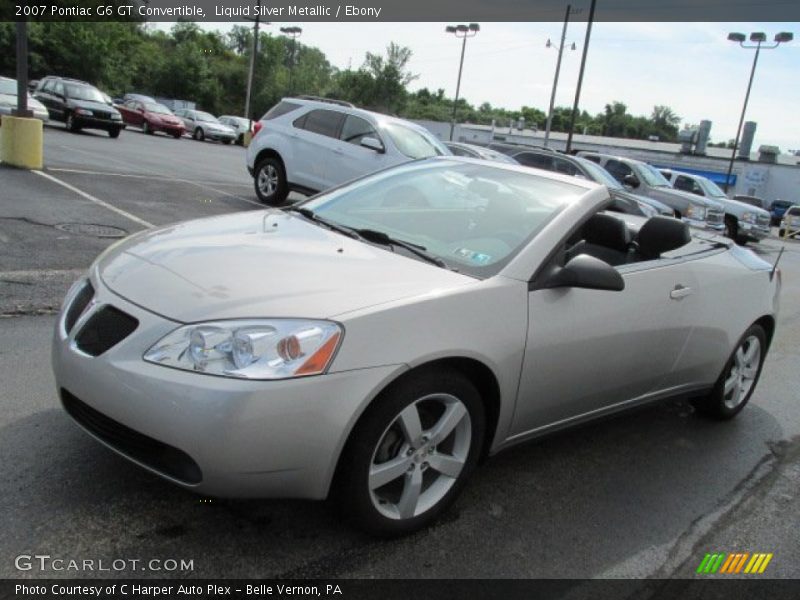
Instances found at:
x=164 y=118
x=658 y=205
x=262 y=264
x=742 y=206
x=92 y=105
x=693 y=198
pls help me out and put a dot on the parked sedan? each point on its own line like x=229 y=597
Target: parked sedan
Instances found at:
x=8 y=100
x=377 y=340
x=151 y=117
x=203 y=125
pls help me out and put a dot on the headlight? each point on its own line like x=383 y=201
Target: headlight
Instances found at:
x=83 y=111
x=697 y=212
x=250 y=349
x=116 y=117
x=749 y=217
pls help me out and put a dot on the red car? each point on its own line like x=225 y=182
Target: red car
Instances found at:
x=151 y=117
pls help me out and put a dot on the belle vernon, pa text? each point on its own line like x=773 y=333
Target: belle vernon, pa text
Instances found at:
x=293 y=10
x=126 y=589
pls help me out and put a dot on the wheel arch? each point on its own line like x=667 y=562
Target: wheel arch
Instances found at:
x=269 y=153
x=767 y=322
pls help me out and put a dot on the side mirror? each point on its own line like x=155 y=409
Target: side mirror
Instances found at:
x=631 y=181
x=586 y=272
x=373 y=144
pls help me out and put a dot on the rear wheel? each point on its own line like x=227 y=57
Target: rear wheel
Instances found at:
x=177 y=135
x=270 y=182
x=738 y=379
x=226 y=142
x=114 y=133
x=410 y=454
x=146 y=128
x=199 y=135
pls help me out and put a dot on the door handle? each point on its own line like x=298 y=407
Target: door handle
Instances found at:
x=679 y=292
x=338 y=151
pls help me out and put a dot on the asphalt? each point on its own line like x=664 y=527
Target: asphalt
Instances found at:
x=645 y=494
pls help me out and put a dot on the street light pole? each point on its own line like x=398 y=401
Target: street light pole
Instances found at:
x=294 y=32
x=460 y=31
x=22 y=71
x=252 y=67
x=580 y=76
x=555 y=77
x=759 y=39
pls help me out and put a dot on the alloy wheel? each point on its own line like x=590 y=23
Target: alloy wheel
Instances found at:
x=743 y=372
x=420 y=456
x=268 y=180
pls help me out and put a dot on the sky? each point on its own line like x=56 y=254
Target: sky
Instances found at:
x=690 y=67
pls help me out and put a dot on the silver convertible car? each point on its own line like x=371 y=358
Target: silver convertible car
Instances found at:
x=374 y=342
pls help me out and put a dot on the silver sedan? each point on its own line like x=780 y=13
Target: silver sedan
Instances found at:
x=375 y=341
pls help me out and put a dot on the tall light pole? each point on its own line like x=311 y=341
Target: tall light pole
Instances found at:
x=555 y=77
x=294 y=33
x=574 y=114
x=463 y=32
x=252 y=67
x=758 y=38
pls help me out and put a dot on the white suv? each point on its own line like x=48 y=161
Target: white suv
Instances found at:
x=311 y=144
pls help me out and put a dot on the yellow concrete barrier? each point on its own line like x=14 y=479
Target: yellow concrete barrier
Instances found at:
x=21 y=142
x=248 y=137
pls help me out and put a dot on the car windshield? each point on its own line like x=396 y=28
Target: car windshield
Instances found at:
x=600 y=175
x=652 y=176
x=414 y=143
x=710 y=188
x=84 y=92
x=157 y=108
x=474 y=217
x=206 y=117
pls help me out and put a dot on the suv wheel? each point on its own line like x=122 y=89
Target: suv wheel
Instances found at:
x=71 y=124
x=411 y=453
x=199 y=135
x=270 y=182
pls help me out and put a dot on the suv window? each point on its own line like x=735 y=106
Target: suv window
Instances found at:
x=565 y=167
x=355 y=129
x=688 y=185
x=58 y=88
x=323 y=122
x=594 y=159
x=280 y=109
x=530 y=159
x=618 y=170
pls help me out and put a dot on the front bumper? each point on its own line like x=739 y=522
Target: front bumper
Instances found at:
x=703 y=224
x=98 y=123
x=752 y=231
x=219 y=136
x=245 y=438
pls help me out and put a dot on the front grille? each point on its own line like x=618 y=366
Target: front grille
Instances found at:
x=79 y=304
x=157 y=455
x=714 y=217
x=763 y=220
x=105 y=329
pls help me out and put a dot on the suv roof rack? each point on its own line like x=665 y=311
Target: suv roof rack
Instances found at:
x=328 y=100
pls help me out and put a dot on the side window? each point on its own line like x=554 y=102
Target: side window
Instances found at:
x=459 y=151
x=323 y=122
x=565 y=167
x=48 y=86
x=58 y=88
x=618 y=169
x=537 y=161
x=280 y=109
x=355 y=129
x=594 y=159
x=688 y=184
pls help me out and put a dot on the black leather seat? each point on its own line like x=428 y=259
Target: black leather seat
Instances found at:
x=659 y=235
x=605 y=237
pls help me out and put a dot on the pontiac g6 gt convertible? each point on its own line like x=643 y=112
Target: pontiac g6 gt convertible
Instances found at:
x=374 y=342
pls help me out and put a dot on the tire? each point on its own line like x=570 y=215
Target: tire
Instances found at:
x=177 y=135
x=226 y=142
x=71 y=124
x=240 y=140
x=146 y=128
x=114 y=133
x=732 y=228
x=781 y=232
x=740 y=375
x=199 y=134
x=428 y=470
x=270 y=182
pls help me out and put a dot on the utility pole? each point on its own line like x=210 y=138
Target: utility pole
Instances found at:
x=580 y=76
x=252 y=67
x=460 y=31
x=555 y=78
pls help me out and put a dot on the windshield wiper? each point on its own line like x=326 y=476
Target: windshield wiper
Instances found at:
x=314 y=217
x=379 y=237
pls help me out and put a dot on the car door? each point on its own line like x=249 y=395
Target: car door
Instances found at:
x=314 y=137
x=350 y=159
x=589 y=350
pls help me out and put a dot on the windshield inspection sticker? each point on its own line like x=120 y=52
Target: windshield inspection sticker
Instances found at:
x=477 y=257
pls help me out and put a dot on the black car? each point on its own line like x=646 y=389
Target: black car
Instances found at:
x=79 y=104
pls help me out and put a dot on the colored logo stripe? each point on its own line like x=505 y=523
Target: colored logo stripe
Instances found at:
x=734 y=563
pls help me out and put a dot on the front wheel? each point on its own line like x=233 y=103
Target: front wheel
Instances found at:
x=738 y=379
x=199 y=134
x=71 y=124
x=270 y=182
x=226 y=142
x=731 y=228
x=410 y=454
x=114 y=133
x=146 y=128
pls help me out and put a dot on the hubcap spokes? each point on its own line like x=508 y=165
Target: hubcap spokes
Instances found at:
x=268 y=180
x=427 y=461
x=743 y=372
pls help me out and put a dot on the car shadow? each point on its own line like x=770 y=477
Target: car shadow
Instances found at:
x=638 y=480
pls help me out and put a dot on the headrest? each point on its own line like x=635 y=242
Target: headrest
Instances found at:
x=662 y=234
x=607 y=231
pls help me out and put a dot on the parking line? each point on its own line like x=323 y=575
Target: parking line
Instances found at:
x=97 y=201
x=163 y=178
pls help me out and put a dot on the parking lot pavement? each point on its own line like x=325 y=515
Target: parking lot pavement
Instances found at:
x=644 y=494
